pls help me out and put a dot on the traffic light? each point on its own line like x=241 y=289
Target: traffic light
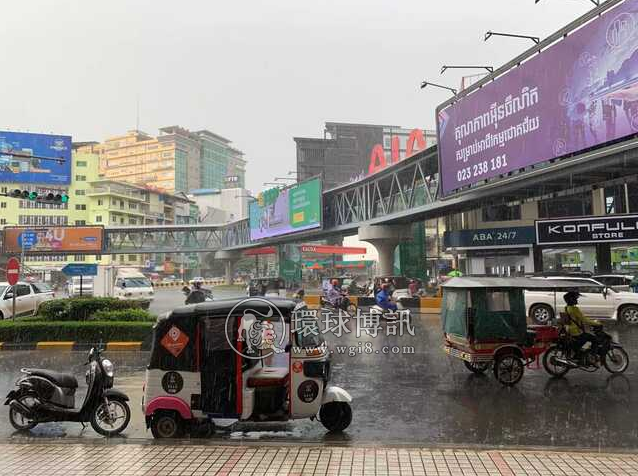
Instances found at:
x=51 y=198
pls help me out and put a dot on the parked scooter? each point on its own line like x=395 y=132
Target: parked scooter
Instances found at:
x=46 y=396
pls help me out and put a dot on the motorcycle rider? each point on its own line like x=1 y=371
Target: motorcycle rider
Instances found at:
x=197 y=294
x=333 y=294
x=383 y=298
x=577 y=322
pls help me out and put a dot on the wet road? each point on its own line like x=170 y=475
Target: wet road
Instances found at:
x=167 y=299
x=423 y=398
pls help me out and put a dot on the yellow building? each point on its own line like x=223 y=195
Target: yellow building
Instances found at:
x=114 y=203
x=176 y=160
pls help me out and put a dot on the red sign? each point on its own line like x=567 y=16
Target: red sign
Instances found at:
x=333 y=250
x=378 y=159
x=174 y=341
x=13 y=271
x=264 y=250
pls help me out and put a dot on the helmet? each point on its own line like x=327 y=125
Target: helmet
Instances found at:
x=197 y=284
x=385 y=286
x=335 y=282
x=571 y=297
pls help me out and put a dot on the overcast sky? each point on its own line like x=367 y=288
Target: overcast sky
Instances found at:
x=257 y=72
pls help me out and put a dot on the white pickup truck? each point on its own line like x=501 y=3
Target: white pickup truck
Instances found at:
x=29 y=296
x=127 y=284
x=597 y=301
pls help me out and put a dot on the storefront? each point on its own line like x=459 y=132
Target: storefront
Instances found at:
x=599 y=244
x=492 y=251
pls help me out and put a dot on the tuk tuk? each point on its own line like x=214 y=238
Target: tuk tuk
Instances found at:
x=485 y=323
x=267 y=287
x=243 y=359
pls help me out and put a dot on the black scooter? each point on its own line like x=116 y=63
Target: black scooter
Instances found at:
x=46 y=396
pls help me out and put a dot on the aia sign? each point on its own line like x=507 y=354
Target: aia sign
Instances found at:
x=378 y=160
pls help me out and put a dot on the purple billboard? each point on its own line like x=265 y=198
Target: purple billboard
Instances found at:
x=576 y=94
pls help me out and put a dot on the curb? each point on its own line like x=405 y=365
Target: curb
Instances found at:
x=66 y=346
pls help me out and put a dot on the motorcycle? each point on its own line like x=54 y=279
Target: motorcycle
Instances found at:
x=563 y=356
x=46 y=396
x=346 y=305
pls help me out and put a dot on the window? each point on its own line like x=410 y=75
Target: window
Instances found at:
x=80 y=222
x=22 y=290
x=80 y=206
x=80 y=258
x=121 y=221
x=98 y=257
x=615 y=200
x=99 y=202
x=3 y=190
x=132 y=257
x=570 y=206
x=502 y=213
x=3 y=221
x=132 y=206
x=80 y=192
x=98 y=218
x=3 y=204
x=80 y=178
x=132 y=221
x=498 y=301
x=80 y=163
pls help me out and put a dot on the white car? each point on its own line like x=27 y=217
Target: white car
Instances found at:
x=597 y=301
x=620 y=282
x=29 y=296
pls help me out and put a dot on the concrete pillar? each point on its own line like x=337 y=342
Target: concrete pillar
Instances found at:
x=230 y=258
x=603 y=258
x=385 y=239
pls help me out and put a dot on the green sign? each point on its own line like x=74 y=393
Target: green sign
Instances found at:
x=409 y=259
x=304 y=204
x=290 y=263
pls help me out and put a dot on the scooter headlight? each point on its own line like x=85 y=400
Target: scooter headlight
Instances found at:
x=109 y=368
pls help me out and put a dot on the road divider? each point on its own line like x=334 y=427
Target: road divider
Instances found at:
x=67 y=346
x=425 y=305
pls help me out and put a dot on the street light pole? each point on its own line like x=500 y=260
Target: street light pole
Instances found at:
x=427 y=83
x=444 y=68
x=490 y=34
x=595 y=2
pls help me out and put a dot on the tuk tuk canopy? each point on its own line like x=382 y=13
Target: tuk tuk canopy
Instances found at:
x=488 y=308
x=194 y=327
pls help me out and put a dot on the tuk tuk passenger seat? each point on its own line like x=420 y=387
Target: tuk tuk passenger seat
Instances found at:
x=269 y=377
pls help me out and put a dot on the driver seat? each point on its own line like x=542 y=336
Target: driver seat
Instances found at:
x=60 y=379
x=269 y=377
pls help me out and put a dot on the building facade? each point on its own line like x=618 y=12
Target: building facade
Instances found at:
x=221 y=206
x=177 y=160
x=348 y=152
x=84 y=170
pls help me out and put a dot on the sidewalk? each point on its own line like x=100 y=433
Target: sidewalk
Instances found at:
x=133 y=459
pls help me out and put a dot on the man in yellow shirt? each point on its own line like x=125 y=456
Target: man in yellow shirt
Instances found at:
x=577 y=322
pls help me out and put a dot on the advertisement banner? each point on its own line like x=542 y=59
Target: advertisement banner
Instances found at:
x=53 y=239
x=576 y=94
x=21 y=158
x=604 y=229
x=293 y=209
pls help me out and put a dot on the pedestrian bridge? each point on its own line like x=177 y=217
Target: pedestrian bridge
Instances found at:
x=398 y=195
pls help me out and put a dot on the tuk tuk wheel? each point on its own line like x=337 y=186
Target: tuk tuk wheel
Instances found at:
x=508 y=369
x=477 y=367
x=167 y=425
x=335 y=416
